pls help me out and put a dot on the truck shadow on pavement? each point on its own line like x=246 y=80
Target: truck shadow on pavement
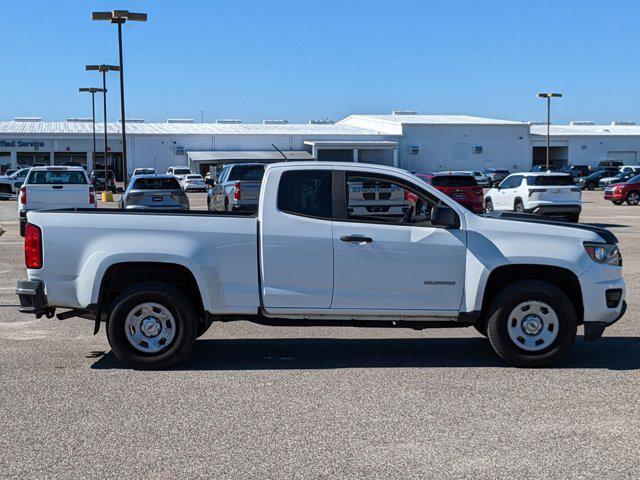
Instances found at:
x=613 y=353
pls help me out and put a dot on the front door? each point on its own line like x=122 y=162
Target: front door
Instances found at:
x=388 y=257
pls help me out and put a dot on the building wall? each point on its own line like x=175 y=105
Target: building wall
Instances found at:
x=451 y=147
x=590 y=150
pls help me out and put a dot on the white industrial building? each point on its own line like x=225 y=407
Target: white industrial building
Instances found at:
x=420 y=143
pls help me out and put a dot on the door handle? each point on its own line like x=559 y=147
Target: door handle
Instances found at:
x=356 y=239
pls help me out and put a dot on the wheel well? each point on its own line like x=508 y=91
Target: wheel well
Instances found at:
x=121 y=276
x=564 y=279
x=516 y=200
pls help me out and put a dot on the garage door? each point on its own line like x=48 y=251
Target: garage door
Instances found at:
x=628 y=158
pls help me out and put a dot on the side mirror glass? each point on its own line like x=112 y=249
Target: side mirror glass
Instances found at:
x=444 y=216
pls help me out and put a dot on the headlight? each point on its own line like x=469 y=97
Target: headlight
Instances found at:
x=605 y=253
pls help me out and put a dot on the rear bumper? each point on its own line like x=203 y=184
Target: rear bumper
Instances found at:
x=32 y=297
x=555 y=210
x=158 y=207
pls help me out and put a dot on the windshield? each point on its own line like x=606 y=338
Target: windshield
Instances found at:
x=194 y=177
x=248 y=173
x=181 y=171
x=635 y=179
x=57 y=178
x=551 y=180
x=454 y=181
x=151 y=183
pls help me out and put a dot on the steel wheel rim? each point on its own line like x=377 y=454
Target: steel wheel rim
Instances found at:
x=533 y=326
x=150 y=327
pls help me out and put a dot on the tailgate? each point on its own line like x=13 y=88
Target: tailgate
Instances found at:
x=556 y=194
x=250 y=190
x=57 y=196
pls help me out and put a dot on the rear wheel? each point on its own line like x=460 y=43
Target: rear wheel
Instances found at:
x=518 y=206
x=488 y=205
x=574 y=217
x=633 y=198
x=532 y=323
x=226 y=204
x=152 y=326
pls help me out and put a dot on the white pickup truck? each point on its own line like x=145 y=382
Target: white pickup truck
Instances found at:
x=54 y=187
x=159 y=279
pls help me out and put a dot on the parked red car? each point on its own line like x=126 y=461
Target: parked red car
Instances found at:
x=628 y=191
x=462 y=188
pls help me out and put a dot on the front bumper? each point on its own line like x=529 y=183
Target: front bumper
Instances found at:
x=32 y=297
x=613 y=195
x=594 y=330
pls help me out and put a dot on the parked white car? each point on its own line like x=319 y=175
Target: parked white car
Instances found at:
x=542 y=193
x=9 y=184
x=179 y=172
x=48 y=188
x=193 y=183
x=308 y=258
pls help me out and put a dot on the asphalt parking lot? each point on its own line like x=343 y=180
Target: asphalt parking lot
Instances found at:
x=263 y=402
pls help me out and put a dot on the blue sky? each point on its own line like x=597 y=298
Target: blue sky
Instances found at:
x=311 y=59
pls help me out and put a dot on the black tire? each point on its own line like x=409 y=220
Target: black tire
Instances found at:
x=617 y=202
x=518 y=206
x=574 y=217
x=23 y=226
x=488 y=205
x=183 y=315
x=501 y=309
x=633 y=197
x=208 y=203
x=226 y=204
x=590 y=186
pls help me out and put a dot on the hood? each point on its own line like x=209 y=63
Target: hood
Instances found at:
x=616 y=184
x=605 y=234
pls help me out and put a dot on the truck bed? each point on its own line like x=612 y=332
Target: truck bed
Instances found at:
x=79 y=245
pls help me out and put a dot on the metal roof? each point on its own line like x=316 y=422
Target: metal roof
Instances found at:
x=353 y=143
x=586 y=130
x=81 y=128
x=432 y=120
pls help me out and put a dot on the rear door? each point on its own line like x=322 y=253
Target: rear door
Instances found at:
x=395 y=261
x=296 y=246
x=57 y=189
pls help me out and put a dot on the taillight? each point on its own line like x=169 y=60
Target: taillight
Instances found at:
x=236 y=191
x=92 y=196
x=32 y=246
x=536 y=190
x=23 y=195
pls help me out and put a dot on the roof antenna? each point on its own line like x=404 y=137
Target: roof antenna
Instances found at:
x=285 y=157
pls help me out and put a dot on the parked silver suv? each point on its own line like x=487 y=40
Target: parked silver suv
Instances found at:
x=148 y=192
x=237 y=187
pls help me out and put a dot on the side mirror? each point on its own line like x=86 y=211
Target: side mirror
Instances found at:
x=444 y=216
x=119 y=190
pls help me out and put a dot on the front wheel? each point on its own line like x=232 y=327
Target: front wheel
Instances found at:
x=590 y=186
x=532 y=323
x=617 y=202
x=633 y=198
x=152 y=326
x=518 y=207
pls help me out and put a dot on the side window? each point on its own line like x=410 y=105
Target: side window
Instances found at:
x=306 y=192
x=382 y=200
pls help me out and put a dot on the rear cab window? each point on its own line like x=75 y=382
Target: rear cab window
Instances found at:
x=57 y=177
x=248 y=173
x=306 y=193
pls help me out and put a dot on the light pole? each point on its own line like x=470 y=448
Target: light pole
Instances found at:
x=106 y=195
x=119 y=17
x=548 y=96
x=93 y=91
